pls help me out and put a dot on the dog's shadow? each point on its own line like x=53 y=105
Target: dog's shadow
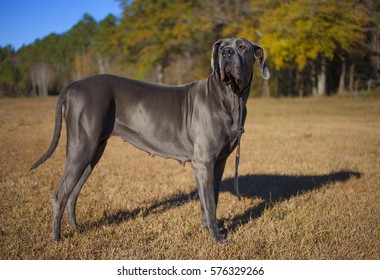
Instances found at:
x=273 y=189
x=270 y=188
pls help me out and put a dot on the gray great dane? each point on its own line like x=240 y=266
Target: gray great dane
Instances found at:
x=196 y=122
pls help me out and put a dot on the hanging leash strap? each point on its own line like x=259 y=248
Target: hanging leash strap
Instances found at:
x=240 y=133
x=237 y=159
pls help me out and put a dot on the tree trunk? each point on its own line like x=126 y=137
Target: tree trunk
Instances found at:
x=322 y=77
x=351 y=77
x=290 y=80
x=277 y=83
x=160 y=73
x=266 y=90
x=299 y=83
x=342 y=78
x=103 y=64
x=34 y=83
x=41 y=75
x=313 y=79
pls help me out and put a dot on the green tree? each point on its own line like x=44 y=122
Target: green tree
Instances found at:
x=40 y=59
x=78 y=43
x=106 y=43
x=10 y=74
x=152 y=32
x=50 y=61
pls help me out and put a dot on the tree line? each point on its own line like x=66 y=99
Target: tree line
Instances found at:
x=313 y=47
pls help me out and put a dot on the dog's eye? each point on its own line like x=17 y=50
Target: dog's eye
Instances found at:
x=242 y=47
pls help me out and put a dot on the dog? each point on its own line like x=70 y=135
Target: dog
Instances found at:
x=198 y=122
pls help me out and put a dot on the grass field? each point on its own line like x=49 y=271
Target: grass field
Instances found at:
x=310 y=178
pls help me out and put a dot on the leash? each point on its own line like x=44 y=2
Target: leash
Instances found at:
x=237 y=158
x=240 y=133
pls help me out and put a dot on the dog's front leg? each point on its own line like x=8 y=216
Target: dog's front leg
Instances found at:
x=204 y=174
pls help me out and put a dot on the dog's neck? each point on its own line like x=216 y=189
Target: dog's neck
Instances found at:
x=234 y=101
x=244 y=93
x=229 y=94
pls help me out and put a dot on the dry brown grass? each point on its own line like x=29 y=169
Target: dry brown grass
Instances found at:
x=310 y=177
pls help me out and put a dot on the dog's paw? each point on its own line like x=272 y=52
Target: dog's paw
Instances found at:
x=221 y=236
x=223 y=232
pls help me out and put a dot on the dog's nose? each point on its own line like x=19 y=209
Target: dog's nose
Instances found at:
x=228 y=51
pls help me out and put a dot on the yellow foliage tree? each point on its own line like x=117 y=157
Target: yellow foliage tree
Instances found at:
x=305 y=31
x=302 y=29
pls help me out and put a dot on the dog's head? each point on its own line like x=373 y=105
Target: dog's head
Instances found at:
x=232 y=60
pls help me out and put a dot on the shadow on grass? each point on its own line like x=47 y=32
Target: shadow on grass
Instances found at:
x=270 y=188
x=157 y=207
x=273 y=189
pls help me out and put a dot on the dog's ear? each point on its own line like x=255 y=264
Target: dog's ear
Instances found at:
x=259 y=53
x=214 y=56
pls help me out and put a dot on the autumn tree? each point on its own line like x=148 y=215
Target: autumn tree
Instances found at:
x=152 y=32
x=308 y=31
x=78 y=43
x=310 y=45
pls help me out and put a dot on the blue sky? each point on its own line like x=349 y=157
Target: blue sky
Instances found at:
x=23 y=21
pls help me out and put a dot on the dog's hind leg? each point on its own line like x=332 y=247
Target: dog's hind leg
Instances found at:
x=72 y=201
x=77 y=161
x=83 y=147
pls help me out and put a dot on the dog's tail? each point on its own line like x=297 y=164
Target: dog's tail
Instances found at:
x=57 y=128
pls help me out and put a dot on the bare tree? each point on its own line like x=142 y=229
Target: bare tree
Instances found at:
x=41 y=75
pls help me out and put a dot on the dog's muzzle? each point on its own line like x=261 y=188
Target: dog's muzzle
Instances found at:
x=230 y=68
